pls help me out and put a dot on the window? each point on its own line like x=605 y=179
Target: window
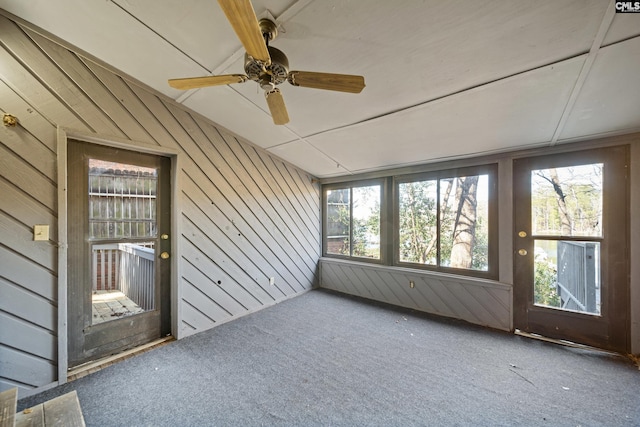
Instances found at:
x=352 y=220
x=443 y=220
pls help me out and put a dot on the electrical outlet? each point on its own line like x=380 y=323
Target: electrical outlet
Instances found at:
x=412 y=284
x=272 y=281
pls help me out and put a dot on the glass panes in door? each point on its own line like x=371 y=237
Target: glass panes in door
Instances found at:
x=566 y=216
x=122 y=232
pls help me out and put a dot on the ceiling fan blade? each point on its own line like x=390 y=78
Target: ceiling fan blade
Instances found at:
x=340 y=82
x=198 y=82
x=278 y=110
x=242 y=18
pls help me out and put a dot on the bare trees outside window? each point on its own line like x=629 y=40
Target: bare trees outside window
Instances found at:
x=444 y=222
x=441 y=220
x=566 y=218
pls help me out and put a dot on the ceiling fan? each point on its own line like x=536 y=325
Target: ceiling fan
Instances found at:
x=267 y=65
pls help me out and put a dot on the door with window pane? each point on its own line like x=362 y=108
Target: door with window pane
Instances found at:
x=571 y=247
x=119 y=250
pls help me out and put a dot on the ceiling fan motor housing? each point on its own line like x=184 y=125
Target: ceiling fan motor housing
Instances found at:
x=274 y=73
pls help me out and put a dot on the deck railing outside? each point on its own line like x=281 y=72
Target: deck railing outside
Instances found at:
x=126 y=267
x=577 y=276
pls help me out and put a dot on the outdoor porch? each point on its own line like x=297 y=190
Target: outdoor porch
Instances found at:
x=122 y=280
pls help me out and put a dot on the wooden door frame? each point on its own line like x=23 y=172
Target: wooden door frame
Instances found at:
x=616 y=325
x=63 y=135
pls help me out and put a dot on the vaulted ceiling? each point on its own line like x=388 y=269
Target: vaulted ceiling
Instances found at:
x=444 y=79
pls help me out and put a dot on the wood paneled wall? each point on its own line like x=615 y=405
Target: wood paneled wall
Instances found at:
x=244 y=215
x=478 y=301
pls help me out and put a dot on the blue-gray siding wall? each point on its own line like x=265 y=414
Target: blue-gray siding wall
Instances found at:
x=244 y=215
x=482 y=302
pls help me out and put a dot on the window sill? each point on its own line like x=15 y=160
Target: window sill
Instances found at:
x=418 y=272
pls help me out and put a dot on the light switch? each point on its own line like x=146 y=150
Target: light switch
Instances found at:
x=40 y=232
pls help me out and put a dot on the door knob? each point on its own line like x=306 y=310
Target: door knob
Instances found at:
x=165 y=255
x=522 y=252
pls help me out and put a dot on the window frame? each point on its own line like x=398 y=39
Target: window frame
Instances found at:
x=350 y=185
x=492 y=204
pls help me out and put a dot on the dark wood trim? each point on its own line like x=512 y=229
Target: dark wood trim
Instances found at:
x=611 y=329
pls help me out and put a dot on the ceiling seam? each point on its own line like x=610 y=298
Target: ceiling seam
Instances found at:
x=461 y=91
x=185 y=95
x=458 y=92
x=159 y=35
x=303 y=140
x=607 y=19
x=338 y=164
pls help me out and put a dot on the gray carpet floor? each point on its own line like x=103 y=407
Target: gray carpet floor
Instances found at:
x=325 y=359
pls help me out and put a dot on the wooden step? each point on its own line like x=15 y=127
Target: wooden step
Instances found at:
x=63 y=411
x=8 y=403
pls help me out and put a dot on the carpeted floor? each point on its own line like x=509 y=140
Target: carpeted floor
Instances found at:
x=324 y=359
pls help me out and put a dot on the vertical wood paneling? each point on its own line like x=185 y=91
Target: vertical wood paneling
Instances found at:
x=244 y=216
x=482 y=302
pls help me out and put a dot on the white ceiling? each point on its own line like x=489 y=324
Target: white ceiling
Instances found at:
x=445 y=79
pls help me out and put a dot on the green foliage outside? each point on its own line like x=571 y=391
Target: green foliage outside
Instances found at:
x=364 y=227
x=565 y=201
x=338 y=222
x=480 y=252
x=418 y=223
x=545 y=288
x=449 y=203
